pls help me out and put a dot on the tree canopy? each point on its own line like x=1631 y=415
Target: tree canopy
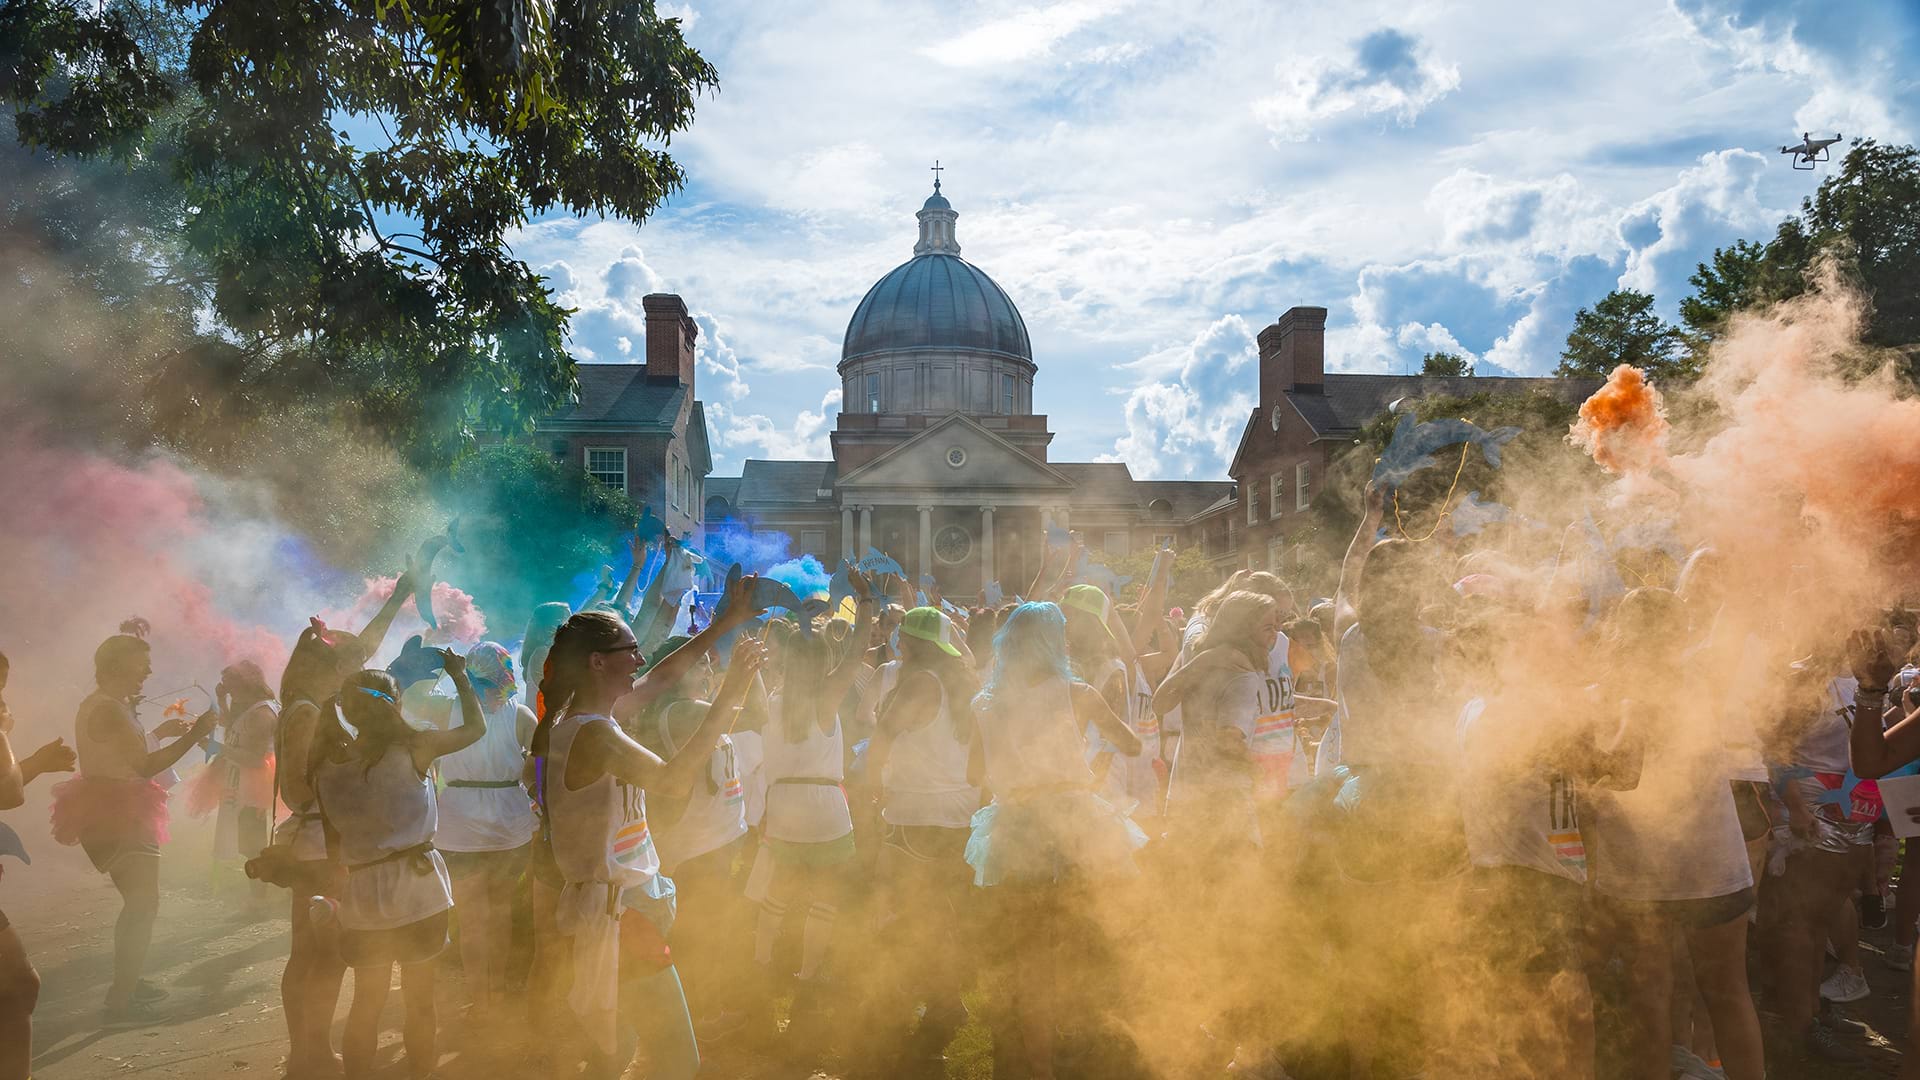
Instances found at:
x=1445 y=363
x=1623 y=328
x=334 y=182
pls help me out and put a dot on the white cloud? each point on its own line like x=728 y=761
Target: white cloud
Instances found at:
x=804 y=438
x=1188 y=426
x=1386 y=76
x=1708 y=206
x=1024 y=35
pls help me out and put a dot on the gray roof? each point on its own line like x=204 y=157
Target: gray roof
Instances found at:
x=1187 y=497
x=723 y=487
x=619 y=394
x=936 y=300
x=1099 y=481
x=784 y=482
x=1350 y=402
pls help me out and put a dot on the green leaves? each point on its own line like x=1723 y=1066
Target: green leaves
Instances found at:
x=348 y=172
x=1624 y=329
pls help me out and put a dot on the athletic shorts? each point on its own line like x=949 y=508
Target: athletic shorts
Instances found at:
x=106 y=852
x=1535 y=921
x=409 y=944
x=927 y=843
x=1690 y=914
x=498 y=867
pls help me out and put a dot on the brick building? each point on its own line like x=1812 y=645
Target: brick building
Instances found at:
x=638 y=428
x=1306 y=417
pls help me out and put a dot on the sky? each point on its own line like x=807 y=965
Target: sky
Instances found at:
x=1153 y=183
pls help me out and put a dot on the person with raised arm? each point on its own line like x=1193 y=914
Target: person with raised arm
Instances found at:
x=19 y=982
x=369 y=771
x=614 y=907
x=807 y=847
x=117 y=813
x=486 y=819
x=297 y=858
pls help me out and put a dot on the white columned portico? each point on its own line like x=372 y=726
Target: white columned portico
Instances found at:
x=866 y=531
x=1061 y=519
x=987 y=575
x=926 y=540
x=846 y=533
x=1046 y=522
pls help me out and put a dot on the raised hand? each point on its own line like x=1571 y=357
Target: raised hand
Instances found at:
x=1869 y=658
x=749 y=654
x=455 y=664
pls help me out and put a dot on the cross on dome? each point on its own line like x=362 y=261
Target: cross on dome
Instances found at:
x=936 y=176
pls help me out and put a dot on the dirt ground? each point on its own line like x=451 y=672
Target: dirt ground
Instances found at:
x=220 y=957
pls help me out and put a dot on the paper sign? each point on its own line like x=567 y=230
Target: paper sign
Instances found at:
x=1901 y=794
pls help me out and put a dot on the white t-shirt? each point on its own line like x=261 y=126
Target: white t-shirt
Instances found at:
x=1517 y=813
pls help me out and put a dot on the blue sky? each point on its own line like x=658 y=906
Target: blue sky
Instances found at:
x=1152 y=183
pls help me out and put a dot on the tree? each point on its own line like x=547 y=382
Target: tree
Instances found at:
x=1730 y=281
x=1622 y=328
x=1445 y=363
x=346 y=175
x=1193 y=576
x=535 y=528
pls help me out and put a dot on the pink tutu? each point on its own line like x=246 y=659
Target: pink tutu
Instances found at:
x=92 y=810
x=249 y=786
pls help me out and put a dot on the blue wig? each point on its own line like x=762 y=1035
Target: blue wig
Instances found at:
x=1031 y=643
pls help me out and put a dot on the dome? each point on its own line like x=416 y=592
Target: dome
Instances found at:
x=936 y=201
x=936 y=301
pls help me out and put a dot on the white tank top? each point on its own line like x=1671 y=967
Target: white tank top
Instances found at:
x=926 y=775
x=105 y=761
x=716 y=813
x=1032 y=740
x=377 y=812
x=497 y=816
x=599 y=831
x=805 y=802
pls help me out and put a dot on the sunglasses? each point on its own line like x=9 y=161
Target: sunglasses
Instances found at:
x=632 y=647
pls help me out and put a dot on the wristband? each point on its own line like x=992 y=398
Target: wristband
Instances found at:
x=1879 y=691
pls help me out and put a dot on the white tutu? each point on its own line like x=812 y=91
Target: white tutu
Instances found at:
x=1048 y=838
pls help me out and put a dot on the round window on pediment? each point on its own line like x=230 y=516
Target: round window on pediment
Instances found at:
x=952 y=544
x=956 y=456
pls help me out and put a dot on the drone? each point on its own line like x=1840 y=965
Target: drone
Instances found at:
x=1809 y=151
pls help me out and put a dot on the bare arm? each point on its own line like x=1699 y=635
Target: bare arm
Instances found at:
x=841 y=678
x=737 y=610
x=1345 y=613
x=148 y=763
x=371 y=635
x=1090 y=708
x=1153 y=602
x=429 y=745
x=420 y=701
x=1876 y=751
x=297 y=725
x=56 y=756
x=624 y=598
x=523 y=724
x=626 y=759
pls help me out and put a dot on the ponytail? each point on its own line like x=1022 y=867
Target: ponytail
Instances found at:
x=574 y=642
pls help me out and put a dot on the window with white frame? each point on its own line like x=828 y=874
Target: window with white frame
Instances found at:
x=1302 y=489
x=1006 y=394
x=608 y=464
x=1253 y=504
x=673 y=482
x=1279 y=492
x=873 y=393
x=1276 y=554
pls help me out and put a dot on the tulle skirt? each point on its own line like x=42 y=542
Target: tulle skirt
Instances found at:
x=247 y=786
x=1049 y=838
x=105 y=815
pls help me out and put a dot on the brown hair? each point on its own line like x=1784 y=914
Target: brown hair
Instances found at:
x=1237 y=622
x=574 y=643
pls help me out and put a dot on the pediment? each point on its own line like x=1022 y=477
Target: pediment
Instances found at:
x=956 y=452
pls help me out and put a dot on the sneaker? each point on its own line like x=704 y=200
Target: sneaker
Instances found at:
x=1845 y=985
x=1823 y=1045
x=1690 y=1066
x=1873 y=911
x=145 y=991
x=1900 y=957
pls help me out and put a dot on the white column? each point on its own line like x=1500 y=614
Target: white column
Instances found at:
x=926 y=542
x=866 y=531
x=1060 y=517
x=1046 y=523
x=987 y=575
x=846 y=534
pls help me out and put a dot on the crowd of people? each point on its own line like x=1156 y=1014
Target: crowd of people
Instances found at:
x=1464 y=818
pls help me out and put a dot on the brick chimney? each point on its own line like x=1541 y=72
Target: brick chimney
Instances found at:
x=1293 y=354
x=671 y=333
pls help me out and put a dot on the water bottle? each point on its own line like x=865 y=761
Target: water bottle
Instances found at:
x=323 y=912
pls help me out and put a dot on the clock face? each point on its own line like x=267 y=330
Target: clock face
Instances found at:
x=952 y=544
